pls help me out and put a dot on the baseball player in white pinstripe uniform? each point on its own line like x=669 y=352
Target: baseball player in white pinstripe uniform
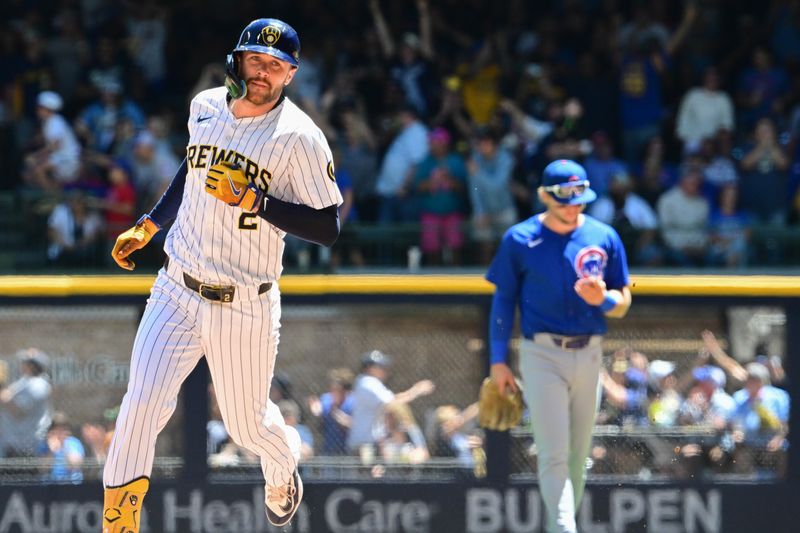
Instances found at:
x=256 y=168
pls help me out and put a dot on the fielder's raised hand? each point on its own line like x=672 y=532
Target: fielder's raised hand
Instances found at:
x=133 y=239
x=226 y=181
x=591 y=289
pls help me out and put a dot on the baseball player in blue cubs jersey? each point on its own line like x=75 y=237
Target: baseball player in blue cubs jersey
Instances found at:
x=256 y=168
x=567 y=272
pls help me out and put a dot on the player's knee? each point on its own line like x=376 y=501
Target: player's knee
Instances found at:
x=550 y=461
x=144 y=397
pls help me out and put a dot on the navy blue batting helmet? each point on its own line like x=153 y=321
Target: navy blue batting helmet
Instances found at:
x=266 y=36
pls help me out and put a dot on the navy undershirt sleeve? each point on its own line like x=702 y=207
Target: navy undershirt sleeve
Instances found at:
x=320 y=226
x=166 y=209
x=501 y=322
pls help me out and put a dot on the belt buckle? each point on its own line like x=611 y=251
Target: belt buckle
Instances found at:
x=571 y=343
x=223 y=293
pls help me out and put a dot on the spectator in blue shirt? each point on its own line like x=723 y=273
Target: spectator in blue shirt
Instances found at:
x=64 y=450
x=490 y=169
x=729 y=230
x=291 y=415
x=602 y=165
x=97 y=124
x=408 y=148
x=761 y=88
x=334 y=409
x=765 y=178
x=761 y=411
x=645 y=61
x=625 y=389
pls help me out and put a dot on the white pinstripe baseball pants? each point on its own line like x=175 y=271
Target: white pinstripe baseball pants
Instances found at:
x=560 y=389
x=239 y=340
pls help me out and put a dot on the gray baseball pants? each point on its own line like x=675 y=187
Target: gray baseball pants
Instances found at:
x=560 y=389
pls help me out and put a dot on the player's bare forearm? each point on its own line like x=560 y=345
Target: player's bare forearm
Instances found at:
x=420 y=388
x=728 y=364
x=623 y=298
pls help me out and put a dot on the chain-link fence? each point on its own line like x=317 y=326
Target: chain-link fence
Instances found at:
x=687 y=393
x=675 y=403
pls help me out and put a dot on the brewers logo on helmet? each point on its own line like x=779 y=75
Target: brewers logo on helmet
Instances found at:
x=265 y=36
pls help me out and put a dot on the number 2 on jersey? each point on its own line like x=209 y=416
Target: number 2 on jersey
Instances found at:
x=245 y=221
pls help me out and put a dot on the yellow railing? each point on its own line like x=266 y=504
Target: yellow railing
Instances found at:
x=467 y=284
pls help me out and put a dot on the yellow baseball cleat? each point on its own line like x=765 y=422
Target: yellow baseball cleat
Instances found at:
x=122 y=506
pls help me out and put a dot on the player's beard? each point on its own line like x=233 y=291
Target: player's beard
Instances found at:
x=261 y=96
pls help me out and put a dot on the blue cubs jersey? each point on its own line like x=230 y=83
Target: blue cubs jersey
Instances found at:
x=537 y=268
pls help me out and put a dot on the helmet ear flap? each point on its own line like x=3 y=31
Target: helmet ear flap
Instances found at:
x=236 y=86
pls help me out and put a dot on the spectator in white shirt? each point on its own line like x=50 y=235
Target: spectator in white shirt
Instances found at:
x=58 y=162
x=154 y=165
x=632 y=217
x=75 y=233
x=370 y=397
x=25 y=406
x=683 y=215
x=703 y=111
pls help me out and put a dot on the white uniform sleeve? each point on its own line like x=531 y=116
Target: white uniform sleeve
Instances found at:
x=192 y=113
x=381 y=392
x=312 y=173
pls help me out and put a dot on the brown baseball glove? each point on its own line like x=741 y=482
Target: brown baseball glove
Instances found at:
x=499 y=411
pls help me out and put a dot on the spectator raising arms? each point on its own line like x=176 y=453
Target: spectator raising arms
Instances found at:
x=370 y=398
x=25 y=406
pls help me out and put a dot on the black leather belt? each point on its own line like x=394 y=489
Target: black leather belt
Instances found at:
x=577 y=342
x=215 y=293
x=572 y=343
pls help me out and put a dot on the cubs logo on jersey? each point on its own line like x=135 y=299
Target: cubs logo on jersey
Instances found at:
x=590 y=261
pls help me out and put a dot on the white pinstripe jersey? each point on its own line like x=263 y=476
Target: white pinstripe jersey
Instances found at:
x=283 y=152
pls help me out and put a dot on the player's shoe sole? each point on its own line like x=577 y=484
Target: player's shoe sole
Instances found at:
x=291 y=506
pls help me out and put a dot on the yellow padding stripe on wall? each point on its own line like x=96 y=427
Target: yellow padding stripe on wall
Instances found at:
x=59 y=286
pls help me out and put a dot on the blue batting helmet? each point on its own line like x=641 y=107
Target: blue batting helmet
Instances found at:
x=567 y=183
x=265 y=36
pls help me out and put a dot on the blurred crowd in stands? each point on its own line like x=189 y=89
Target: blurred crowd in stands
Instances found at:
x=441 y=113
x=360 y=416
x=690 y=417
x=740 y=414
x=685 y=417
x=31 y=428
